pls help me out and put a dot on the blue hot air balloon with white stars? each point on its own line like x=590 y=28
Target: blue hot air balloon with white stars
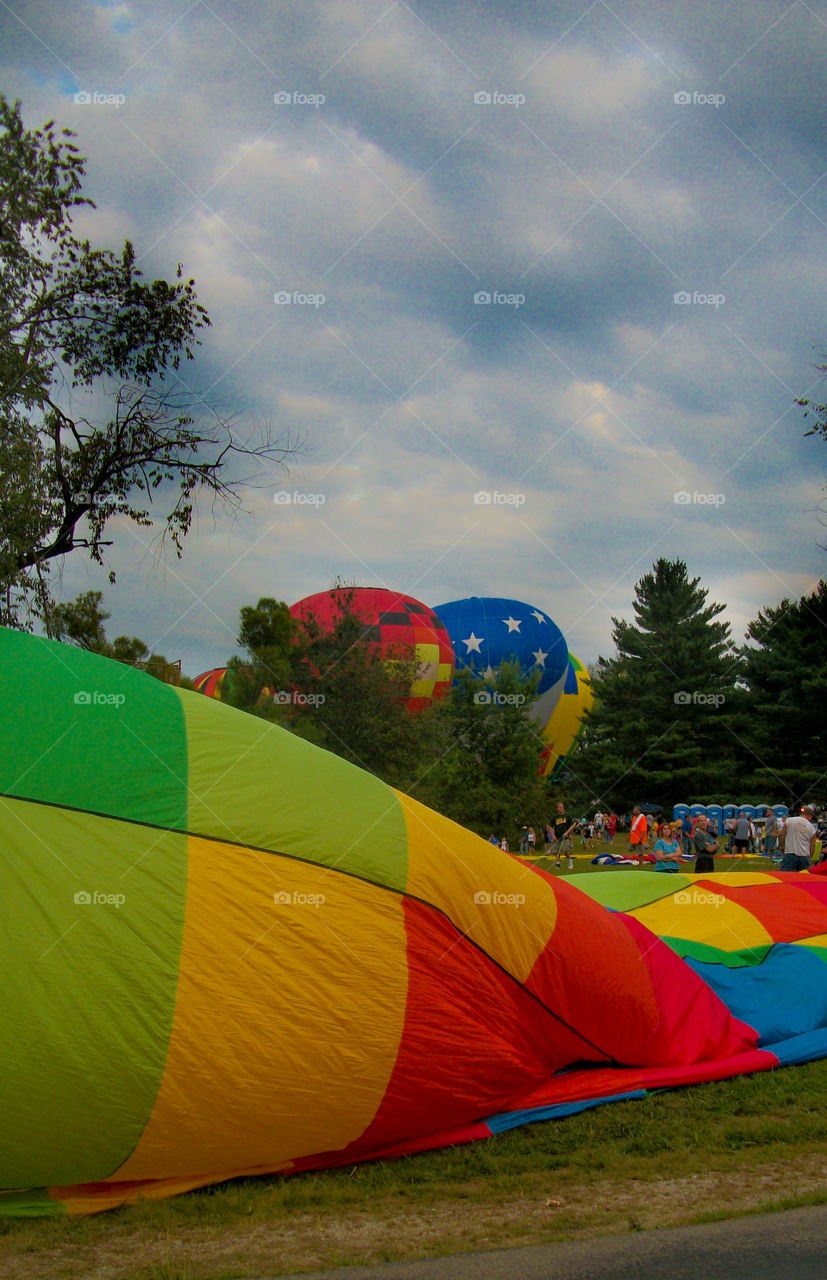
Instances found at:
x=488 y=630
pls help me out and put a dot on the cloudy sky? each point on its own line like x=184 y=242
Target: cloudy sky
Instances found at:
x=556 y=275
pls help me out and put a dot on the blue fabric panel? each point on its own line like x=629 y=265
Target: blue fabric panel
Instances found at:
x=783 y=997
x=804 y=1048
x=513 y=1119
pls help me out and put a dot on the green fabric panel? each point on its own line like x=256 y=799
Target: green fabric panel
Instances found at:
x=715 y=955
x=623 y=889
x=117 y=757
x=87 y=989
x=254 y=783
x=34 y=1203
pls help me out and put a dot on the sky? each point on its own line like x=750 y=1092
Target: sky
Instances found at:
x=534 y=288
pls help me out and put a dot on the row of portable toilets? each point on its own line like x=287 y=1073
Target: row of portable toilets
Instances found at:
x=719 y=813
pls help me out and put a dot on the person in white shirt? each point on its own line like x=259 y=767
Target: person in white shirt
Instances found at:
x=798 y=840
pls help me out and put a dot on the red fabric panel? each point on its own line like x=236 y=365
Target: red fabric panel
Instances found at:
x=787 y=914
x=473 y=1040
x=694 y=1025
x=605 y=1082
x=591 y=972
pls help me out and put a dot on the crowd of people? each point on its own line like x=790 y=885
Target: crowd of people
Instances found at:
x=795 y=840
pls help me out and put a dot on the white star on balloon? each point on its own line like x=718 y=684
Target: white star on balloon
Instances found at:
x=538 y=615
x=472 y=644
x=488 y=673
x=512 y=624
x=540 y=658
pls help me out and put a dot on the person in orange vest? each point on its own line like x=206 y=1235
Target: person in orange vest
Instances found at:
x=638 y=833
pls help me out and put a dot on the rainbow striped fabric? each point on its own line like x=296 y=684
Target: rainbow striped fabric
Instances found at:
x=227 y=952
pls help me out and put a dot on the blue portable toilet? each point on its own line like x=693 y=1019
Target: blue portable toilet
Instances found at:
x=730 y=811
x=747 y=811
x=679 y=812
x=715 y=814
x=695 y=810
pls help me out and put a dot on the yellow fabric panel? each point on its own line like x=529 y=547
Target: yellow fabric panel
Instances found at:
x=273 y=998
x=456 y=870
x=820 y=940
x=738 y=879
x=427 y=657
x=698 y=914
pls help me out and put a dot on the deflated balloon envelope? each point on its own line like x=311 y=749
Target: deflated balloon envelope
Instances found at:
x=228 y=952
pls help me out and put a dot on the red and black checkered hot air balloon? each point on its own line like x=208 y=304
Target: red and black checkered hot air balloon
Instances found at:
x=396 y=623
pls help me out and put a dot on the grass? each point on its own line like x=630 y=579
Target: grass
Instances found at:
x=676 y=1156
x=687 y=1155
x=583 y=861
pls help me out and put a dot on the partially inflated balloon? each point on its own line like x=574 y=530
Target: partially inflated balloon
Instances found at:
x=211 y=683
x=396 y=624
x=489 y=630
x=565 y=725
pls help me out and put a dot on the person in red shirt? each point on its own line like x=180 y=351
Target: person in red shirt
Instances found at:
x=611 y=827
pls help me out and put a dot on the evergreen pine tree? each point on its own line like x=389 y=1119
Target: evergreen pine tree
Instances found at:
x=660 y=729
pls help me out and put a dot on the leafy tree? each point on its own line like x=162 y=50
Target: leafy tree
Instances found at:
x=269 y=635
x=89 y=427
x=351 y=696
x=487 y=755
x=82 y=622
x=660 y=727
x=331 y=685
x=784 y=732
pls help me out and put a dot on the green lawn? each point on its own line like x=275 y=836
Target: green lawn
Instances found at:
x=679 y=1156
